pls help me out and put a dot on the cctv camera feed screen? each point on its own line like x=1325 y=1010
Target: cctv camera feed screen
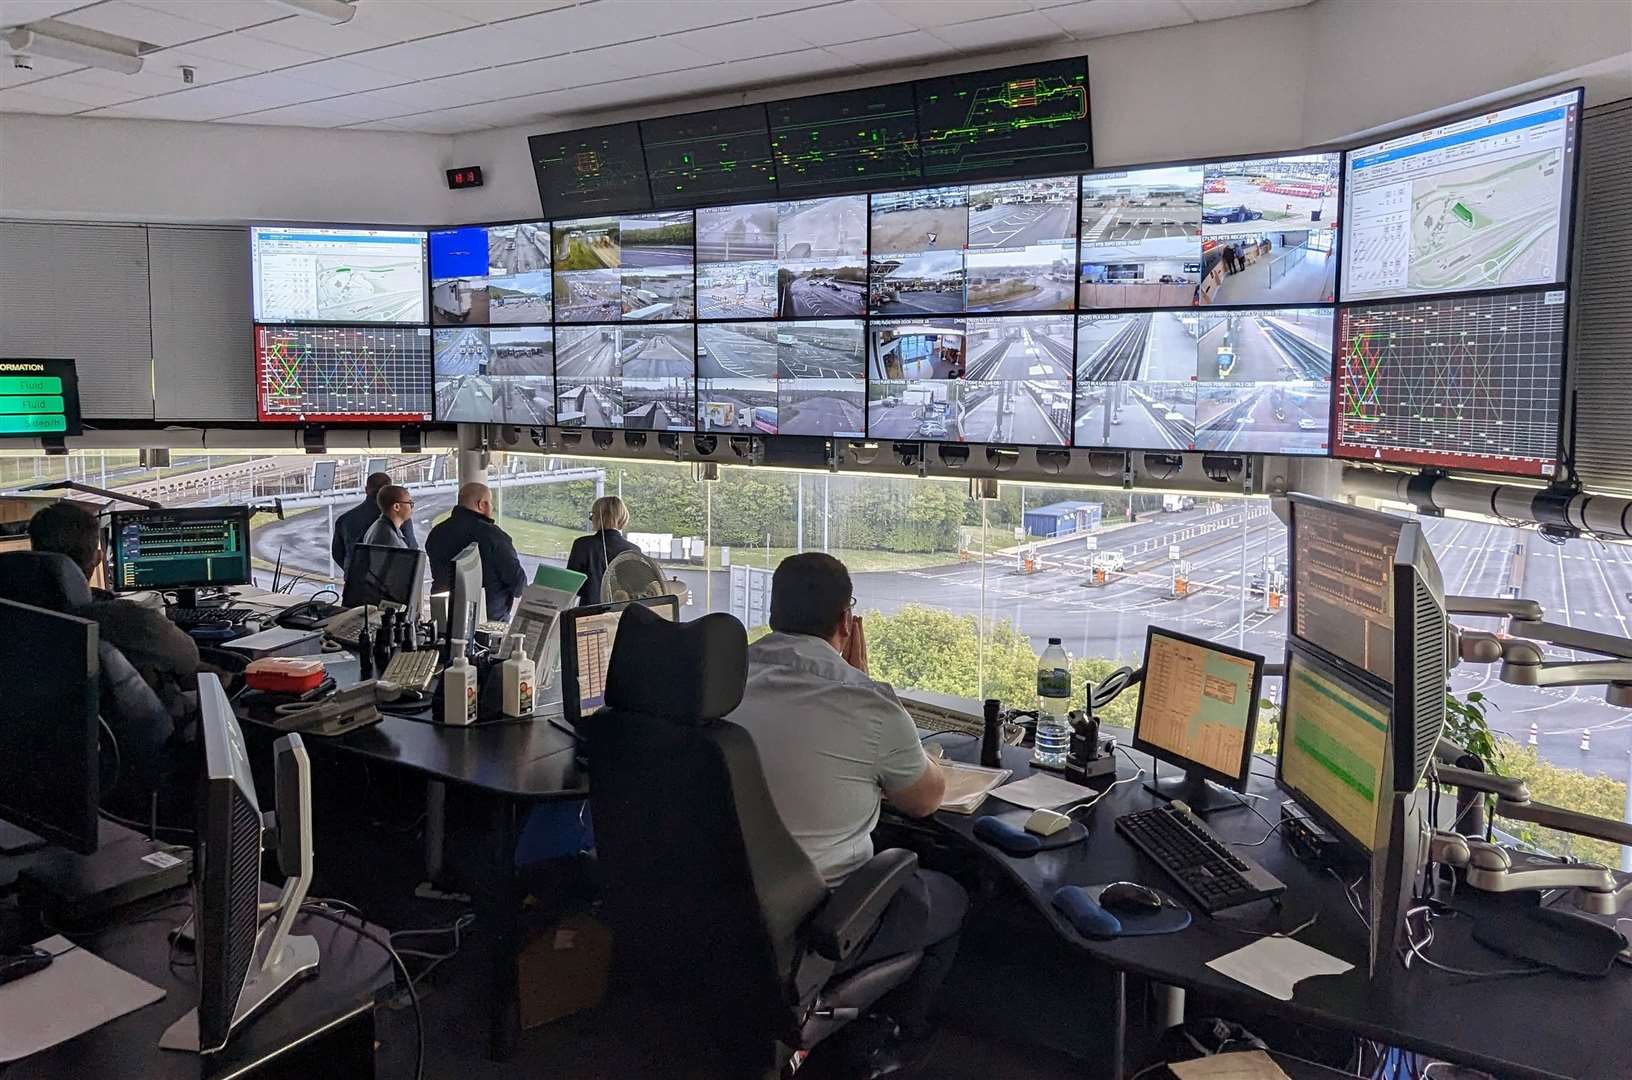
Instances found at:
x=1136 y=380
x=992 y=124
x=633 y=376
x=1264 y=380
x=793 y=259
x=590 y=171
x=916 y=259
x=1269 y=231
x=495 y=375
x=1141 y=238
x=1021 y=246
x=782 y=378
x=343 y=374
x=980 y=379
x=303 y=274
x=494 y=275
x=637 y=267
x=1481 y=203
x=849 y=141
x=1472 y=382
x=718 y=156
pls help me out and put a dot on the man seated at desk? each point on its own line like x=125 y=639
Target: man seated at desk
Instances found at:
x=834 y=744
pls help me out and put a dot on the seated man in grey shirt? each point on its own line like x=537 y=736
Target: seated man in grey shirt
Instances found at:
x=834 y=743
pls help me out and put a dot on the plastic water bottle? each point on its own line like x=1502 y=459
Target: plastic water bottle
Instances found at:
x=1053 y=703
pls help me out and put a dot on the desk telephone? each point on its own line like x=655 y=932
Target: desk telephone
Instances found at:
x=344 y=711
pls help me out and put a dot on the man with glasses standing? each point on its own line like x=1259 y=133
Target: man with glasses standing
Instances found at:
x=350 y=526
x=395 y=523
x=834 y=744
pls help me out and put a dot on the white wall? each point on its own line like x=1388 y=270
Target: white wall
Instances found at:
x=161 y=171
x=1276 y=81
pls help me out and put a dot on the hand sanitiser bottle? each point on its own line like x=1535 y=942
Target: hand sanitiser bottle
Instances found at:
x=459 y=688
x=517 y=677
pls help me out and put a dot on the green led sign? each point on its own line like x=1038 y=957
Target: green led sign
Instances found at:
x=38 y=398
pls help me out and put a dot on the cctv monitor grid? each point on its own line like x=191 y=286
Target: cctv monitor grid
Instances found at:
x=1204 y=295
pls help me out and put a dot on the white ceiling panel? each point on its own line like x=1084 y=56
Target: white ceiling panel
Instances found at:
x=315 y=114
x=487 y=46
x=1003 y=31
x=772 y=69
x=412 y=60
x=872 y=52
x=377 y=23
x=43 y=69
x=644 y=58
x=252 y=52
x=1205 y=10
x=167 y=65
x=141 y=24
x=88 y=92
x=154 y=79
x=18 y=12
x=205 y=103
x=834 y=24
x=222 y=14
x=444 y=93
x=932 y=14
x=344 y=76
x=554 y=73
x=495 y=10
x=741 y=40
x=21 y=100
x=1102 y=18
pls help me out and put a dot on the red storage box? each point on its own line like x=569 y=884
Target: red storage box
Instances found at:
x=291 y=675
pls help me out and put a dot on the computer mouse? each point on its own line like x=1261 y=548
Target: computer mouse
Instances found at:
x=1047 y=822
x=1130 y=897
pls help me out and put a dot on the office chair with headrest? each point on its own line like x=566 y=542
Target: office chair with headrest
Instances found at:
x=712 y=903
x=136 y=718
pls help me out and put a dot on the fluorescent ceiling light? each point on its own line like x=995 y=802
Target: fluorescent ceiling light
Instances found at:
x=330 y=11
x=77 y=46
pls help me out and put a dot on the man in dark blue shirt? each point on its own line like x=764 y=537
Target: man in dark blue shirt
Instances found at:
x=472 y=523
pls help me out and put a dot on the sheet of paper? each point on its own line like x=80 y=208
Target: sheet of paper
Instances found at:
x=1040 y=789
x=1275 y=965
x=78 y=992
x=1246 y=1065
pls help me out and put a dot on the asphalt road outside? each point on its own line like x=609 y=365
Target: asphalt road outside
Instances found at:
x=1011 y=226
x=799 y=413
x=526 y=248
x=730 y=354
x=1041 y=293
x=589 y=358
x=916 y=303
x=659 y=358
x=656 y=255
x=827 y=297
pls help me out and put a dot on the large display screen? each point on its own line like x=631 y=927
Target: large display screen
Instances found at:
x=1141 y=238
x=1006 y=246
x=1242 y=380
x=1481 y=203
x=303 y=274
x=987 y=124
x=792 y=259
x=782 y=378
x=590 y=171
x=984 y=379
x=38 y=399
x=1472 y=382
x=342 y=374
x=635 y=267
x=626 y=376
x=494 y=275
x=498 y=375
x=853 y=140
x=709 y=157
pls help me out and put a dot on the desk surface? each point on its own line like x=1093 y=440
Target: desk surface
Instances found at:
x=352 y=970
x=1542 y=1026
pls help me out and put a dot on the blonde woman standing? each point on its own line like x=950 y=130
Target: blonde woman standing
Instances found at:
x=590 y=554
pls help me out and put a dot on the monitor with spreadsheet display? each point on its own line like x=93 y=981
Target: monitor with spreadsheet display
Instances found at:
x=187 y=548
x=1198 y=708
x=1342 y=595
x=1335 y=749
x=587 y=635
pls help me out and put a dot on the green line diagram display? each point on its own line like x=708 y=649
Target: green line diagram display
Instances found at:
x=1470 y=381
x=991 y=123
x=343 y=373
x=849 y=141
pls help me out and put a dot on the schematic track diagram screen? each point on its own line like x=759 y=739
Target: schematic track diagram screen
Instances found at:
x=591 y=171
x=990 y=124
x=719 y=156
x=1468 y=382
x=1482 y=203
x=337 y=275
x=343 y=374
x=849 y=141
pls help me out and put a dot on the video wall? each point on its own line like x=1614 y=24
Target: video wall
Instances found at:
x=1178 y=307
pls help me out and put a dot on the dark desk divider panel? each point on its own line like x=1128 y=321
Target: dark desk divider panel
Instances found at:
x=201 y=323
x=81 y=292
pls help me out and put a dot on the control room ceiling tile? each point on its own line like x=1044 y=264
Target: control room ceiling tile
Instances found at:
x=1103 y=18
x=917 y=45
x=838 y=23
x=1005 y=30
x=139 y=24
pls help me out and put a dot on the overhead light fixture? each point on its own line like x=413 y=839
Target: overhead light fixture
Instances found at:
x=330 y=11
x=76 y=45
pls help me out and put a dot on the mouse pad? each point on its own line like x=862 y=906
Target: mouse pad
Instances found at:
x=1172 y=918
x=1008 y=832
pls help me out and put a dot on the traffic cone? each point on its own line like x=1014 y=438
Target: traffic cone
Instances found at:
x=1534 y=730
x=1586 y=741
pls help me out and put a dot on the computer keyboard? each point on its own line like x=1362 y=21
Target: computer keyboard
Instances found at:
x=1211 y=874
x=412 y=670
x=189 y=617
x=936 y=713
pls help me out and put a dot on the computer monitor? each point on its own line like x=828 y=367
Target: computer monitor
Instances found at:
x=187 y=549
x=242 y=965
x=1335 y=749
x=1198 y=709
x=587 y=636
x=377 y=574
x=49 y=759
x=466 y=605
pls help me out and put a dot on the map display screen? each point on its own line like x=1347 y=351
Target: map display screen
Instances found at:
x=337 y=275
x=1482 y=203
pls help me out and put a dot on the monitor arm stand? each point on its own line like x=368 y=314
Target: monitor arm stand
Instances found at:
x=285 y=958
x=1519 y=648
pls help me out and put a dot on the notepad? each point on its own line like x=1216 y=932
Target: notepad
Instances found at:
x=78 y=992
x=1275 y=965
x=1041 y=790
